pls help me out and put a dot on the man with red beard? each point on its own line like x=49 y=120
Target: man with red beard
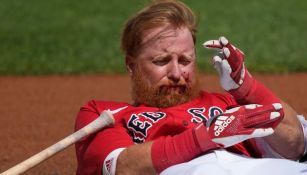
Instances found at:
x=172 y=124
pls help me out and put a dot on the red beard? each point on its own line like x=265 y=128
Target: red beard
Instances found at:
x=168 y=95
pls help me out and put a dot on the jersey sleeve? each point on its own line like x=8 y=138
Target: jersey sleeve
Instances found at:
x=92 y=150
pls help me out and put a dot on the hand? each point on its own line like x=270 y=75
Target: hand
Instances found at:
x=229 y=62
x=239 y=124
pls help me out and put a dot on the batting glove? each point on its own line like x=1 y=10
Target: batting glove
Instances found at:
x=239 y=124
x=229 y=62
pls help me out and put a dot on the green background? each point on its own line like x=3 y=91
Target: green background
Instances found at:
x=39 y=37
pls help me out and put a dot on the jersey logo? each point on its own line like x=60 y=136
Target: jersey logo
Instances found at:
x=154 y=116
x=117 y=110
x=139 y=124
x=214 y=111
x=199 y=114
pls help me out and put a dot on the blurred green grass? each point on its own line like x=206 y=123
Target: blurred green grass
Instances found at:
x=82 y=37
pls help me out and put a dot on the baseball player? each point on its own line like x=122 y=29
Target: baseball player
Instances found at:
x=173 y=126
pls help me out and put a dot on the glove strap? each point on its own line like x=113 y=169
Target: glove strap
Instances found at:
x=241 y=92
x=252 y=91
x=203 y=139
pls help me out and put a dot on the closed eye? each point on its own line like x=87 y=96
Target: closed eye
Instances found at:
x=184 y=61
x=161 y=61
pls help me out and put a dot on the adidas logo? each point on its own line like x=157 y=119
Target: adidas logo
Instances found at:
x=221 y=123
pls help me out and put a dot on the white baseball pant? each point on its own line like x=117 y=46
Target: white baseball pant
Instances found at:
x=222 y=162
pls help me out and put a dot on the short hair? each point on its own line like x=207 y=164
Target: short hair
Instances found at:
x=157 y=14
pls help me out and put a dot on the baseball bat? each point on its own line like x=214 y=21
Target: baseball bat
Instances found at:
x=104 y=120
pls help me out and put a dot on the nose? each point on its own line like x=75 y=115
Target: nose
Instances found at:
x=174 y=71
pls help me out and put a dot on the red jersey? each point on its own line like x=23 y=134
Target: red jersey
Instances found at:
x=142 y=123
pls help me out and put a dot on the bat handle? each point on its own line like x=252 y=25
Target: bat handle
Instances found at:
x=104 y=120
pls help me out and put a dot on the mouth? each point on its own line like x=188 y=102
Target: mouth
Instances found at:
x=178 y=89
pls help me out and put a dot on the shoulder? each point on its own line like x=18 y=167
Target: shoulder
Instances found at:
x=100 y=105
x=92 y=109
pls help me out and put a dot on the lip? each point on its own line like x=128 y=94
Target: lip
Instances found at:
x=173 y=88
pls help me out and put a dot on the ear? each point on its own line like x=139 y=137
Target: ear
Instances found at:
x=129 y=64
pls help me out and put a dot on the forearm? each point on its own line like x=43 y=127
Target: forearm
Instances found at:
x=154 y=157
x=135 y=159
x=288 y=139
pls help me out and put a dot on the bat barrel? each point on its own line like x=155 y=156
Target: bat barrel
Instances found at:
x=104 y=120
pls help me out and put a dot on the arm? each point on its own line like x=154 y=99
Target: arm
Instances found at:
x=137 y=155
x=93 y=150
x=104 y=149
x=155 y=156
x=227 y=129
x=287 y=139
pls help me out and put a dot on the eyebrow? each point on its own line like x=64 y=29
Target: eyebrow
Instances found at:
x=163 y=55
x=189 y=56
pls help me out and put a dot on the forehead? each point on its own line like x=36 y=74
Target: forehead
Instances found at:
x=166 y=39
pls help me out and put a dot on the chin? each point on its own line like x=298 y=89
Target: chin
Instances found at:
x=164 y=100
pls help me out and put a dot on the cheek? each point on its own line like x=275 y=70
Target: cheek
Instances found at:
x=189 y=73
x=154 y=75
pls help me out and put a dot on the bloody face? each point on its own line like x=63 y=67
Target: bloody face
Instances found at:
x=164 y=72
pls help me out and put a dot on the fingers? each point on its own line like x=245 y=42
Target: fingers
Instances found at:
x=217 y=44
x=221 y=43
x=217 y=62
x=228 y=49
x=240 y=136
x=234 y=56
x=258 y=116
x=221 y=64
x=213 y=44
x=255 y=116
x=244 y=122
x=277 y=106
x=262 y=132
x=259 y=132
